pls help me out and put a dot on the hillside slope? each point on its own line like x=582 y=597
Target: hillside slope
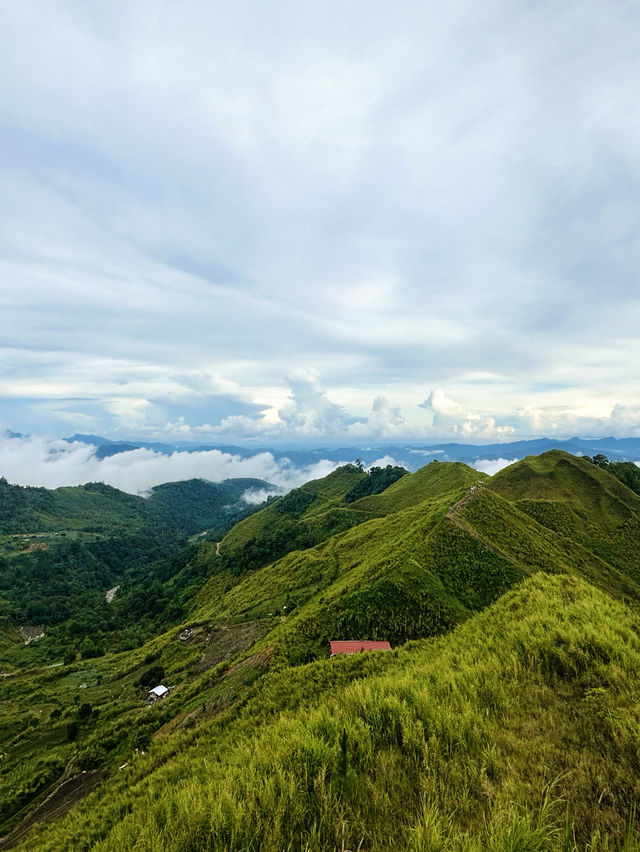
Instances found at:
x=433 y=752
x=61 y=550
x=438 y=545
x=264 y=738
x=302 y=518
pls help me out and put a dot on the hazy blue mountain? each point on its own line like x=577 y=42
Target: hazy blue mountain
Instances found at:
x=412 y=456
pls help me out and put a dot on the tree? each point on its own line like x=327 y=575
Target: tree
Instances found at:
x=84 y=711
x=152 y=677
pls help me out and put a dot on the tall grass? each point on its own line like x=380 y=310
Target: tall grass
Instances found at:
x=517 y=732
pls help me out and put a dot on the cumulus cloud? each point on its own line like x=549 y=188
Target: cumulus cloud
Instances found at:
x=309 y=411
x=41 y=462
x=451 y=418
x=562 y=420
x=308 y=415
x=384 y=421
x=492 y=466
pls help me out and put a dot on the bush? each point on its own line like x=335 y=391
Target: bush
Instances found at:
x=84 y=711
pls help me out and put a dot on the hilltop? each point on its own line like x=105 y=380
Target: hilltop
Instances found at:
x=512 y=603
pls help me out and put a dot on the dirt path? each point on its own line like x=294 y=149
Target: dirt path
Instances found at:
x=217 y=548
x=452 y=512
x=461 y=523
x=55 y=805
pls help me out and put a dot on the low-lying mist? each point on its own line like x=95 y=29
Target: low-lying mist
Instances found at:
x=53 y=463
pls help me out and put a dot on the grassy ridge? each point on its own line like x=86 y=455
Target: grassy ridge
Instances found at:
x=516 y=731
x=581 y=502
x=435 y=480
x=372 y=580
x=519 y=731
x=439 y=545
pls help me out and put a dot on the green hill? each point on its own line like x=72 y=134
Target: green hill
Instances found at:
x=435 y=480
x=301 y=518
x=61 y=550
x=579 y=501
x=506 y=718
x=516 y=732
x=191 y=506
x=437 y=545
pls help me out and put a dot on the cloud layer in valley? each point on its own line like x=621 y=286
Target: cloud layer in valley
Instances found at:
x=39 y=462
x=423 y=216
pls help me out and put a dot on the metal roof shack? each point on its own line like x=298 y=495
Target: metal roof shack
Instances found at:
x=354 y=647
x=157 y=692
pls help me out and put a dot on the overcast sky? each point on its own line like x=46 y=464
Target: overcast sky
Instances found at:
x=287 y=221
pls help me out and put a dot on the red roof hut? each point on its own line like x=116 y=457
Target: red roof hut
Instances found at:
x=354 y=647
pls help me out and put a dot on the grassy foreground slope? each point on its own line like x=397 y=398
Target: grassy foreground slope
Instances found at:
x=519 y=731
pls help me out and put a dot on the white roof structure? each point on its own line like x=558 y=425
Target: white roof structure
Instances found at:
x=159 y=691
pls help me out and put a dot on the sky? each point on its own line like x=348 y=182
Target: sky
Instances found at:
x=299 y=222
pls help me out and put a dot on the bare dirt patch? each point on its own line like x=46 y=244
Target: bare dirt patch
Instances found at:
x=260 y=659
x=31 y=632
x=226 y=642
x=55 y=805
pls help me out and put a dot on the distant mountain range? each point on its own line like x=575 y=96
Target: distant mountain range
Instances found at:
x=412 y=455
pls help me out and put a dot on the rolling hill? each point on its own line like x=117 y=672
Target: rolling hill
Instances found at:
x=506 y=718
x=61 y=550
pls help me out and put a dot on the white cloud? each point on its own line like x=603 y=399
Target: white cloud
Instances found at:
x=384 y=421
x=619 y=421
x=383 y=461
x=492 y=466
x=450 y=418
x=309 y=411
x=255 y=496
x=41 y=462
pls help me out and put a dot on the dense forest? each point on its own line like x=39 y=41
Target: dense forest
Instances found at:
x=62 y=550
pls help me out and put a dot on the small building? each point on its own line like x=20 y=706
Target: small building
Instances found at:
x=157 y=693
x=354 y=647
